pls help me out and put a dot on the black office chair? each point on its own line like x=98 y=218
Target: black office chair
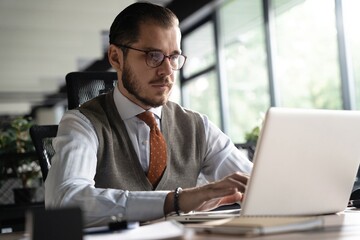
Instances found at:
x=248 y=147
x=42 y=136
x=83 y=86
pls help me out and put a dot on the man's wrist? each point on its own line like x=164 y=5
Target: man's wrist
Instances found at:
x=177 y=193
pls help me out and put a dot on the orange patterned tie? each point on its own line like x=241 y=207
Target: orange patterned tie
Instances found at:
x=157 y=149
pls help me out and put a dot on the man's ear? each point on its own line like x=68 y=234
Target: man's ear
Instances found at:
x=115 y=56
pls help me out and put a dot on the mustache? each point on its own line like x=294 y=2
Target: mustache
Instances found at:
x=164 y=81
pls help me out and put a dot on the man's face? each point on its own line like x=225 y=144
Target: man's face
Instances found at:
x=147 y=86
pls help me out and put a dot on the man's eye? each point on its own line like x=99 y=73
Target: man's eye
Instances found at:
x=156 y=56
x=175 y=57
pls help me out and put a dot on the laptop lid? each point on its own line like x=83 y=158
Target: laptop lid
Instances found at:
x=305 y=162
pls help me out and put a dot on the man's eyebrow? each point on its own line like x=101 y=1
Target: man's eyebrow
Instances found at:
x=159 y=50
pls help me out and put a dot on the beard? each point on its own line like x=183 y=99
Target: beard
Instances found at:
x=134 y=87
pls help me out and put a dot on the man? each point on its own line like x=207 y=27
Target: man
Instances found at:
x=102 y=161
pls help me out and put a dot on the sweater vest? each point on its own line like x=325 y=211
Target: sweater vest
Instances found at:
x=119 y=167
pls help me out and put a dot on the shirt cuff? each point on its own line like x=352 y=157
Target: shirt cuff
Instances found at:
x=142 y=205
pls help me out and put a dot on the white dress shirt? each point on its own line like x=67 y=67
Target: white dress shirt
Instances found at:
x=71 y=177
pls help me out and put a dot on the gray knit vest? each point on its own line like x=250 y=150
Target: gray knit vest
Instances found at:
x=118 y=165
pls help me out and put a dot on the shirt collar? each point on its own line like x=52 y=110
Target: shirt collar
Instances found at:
x=127 y=109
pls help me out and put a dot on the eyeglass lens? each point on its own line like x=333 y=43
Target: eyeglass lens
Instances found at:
x=154 y=59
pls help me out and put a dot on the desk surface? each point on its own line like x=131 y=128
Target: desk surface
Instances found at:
x=342 y=226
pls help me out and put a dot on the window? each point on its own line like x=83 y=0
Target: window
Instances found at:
x=200 y=94
x=351 y=19
x=245 y=64
x=200 y=88
x=306 y=60
x=175 y=95
x=307 y=66
x=199 y=47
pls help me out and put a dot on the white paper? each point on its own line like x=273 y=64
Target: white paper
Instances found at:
x=158 y=231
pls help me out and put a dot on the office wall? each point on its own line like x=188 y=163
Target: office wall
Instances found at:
x=41 y=40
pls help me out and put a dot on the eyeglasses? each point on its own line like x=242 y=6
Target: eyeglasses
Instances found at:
x=156 y=58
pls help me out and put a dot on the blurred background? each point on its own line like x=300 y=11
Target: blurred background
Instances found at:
x=244 y=56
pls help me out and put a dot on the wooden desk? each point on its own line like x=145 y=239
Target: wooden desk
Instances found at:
x=12 y=236
x=342 y=226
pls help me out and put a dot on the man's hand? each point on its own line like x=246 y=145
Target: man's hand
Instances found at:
x=229 y=190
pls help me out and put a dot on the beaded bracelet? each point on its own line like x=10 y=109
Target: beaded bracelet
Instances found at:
x=178 y=190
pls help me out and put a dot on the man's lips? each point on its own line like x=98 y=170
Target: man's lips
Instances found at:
x=161 y=84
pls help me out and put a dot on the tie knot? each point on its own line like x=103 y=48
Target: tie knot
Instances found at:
x=148 y=118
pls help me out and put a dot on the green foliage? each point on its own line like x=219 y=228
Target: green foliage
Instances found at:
x=253 y=135
x=16 y=138
x=17 y=155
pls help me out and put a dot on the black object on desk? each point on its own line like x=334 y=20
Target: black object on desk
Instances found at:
x=355 y=199
x=54 y=224
x=12 y=216
x=354 y=203
x=355 y=194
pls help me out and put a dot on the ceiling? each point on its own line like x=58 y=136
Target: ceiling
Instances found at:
x=42 y=40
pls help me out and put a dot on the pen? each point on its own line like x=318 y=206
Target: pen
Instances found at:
x=115 y=225
x=112 y=227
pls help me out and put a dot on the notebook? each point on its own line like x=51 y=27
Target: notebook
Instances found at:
x=256 y=225
x=305 y=163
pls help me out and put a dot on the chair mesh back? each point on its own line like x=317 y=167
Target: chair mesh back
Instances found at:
x=42 y=136
x=83 y=86
x=48 y=151
x=249 y=148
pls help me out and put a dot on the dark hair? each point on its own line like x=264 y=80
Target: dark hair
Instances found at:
x=126 y=25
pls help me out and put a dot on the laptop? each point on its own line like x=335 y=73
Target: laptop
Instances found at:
x=305 y=163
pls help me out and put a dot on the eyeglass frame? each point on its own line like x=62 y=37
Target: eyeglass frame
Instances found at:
x=158 y=51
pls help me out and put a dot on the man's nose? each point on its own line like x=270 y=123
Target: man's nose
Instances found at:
x=165 y=69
